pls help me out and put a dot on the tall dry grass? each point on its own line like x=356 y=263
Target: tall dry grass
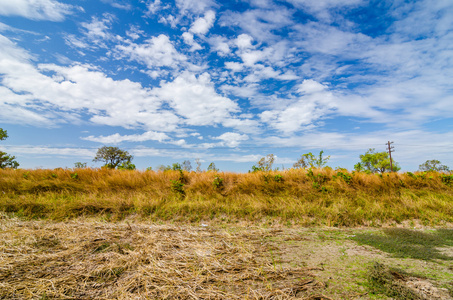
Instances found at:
x=319 y=196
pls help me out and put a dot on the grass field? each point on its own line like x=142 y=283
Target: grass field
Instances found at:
x=297 y=234
x=304 y=197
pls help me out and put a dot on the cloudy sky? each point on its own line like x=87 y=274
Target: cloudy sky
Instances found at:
x=226 y=81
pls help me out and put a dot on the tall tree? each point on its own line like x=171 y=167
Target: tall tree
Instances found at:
x=112 y=156
x=375 y=162
x=308 y=159
x=433 y=165
x=6 y=161
x=264 y=164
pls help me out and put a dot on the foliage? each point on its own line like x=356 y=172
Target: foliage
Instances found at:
x=112 y=156
x=309 y=160
x=375 y=162
x=80 y=165
x=343 y=175
x=6 y=161
x=264 y=164
x=176 y=167
x=433 y=165
x=212 y=167
x=177 y=186
x=126 y=166
x=318 y=180
x=217 y=182
x=278 y=178
x=3 y=134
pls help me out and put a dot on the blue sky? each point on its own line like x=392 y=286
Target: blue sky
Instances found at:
x=226 y=81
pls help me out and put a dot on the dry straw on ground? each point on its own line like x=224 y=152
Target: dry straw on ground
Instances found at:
x=93 y=260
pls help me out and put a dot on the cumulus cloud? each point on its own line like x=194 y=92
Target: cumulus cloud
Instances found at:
x=195 y=99
x=202 y=25
x=232 y=139
x=78 y=88
x=314 y=103
x=244 y=41
x=234 y=66
x=188 y=39
x=155 y=52
x=219 y=44
x=36 y=9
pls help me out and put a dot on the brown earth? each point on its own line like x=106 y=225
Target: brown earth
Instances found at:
x=91 y=259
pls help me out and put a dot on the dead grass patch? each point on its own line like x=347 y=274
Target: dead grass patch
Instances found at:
x=92 y=260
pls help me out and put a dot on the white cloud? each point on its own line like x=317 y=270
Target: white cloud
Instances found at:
x=219 y=44
x=188 y=39
x=232 y=139
x=153 y=6
x=321 y=8
x=48 y=150
x=76 y=89
x=202 y=25
x=117 y=138
x=36 y=9
x=314 y=103
x=135 y=32
x=97 y=31
x=234 y=66
x=194 y=6
x=155 y=52
x=261 y=24
x=118 y=4
x=244 y=41
x=195 y=99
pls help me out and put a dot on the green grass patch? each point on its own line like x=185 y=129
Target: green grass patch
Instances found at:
x=407 y=243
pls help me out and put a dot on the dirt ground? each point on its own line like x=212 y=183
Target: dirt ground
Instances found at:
x=91 y=259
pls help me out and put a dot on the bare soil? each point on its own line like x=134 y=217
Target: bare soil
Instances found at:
x=91 y=259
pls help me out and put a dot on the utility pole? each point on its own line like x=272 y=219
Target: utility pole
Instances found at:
x=390 y=150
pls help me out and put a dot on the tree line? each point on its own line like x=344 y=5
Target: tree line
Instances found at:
x=116 y=158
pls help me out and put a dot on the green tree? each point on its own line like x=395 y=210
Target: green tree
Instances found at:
x=112 y=157
x=212 y=167
x=264 y=164
x=127 y=165
x=3 y=134
x=80 y=165
x=309 y=160
x=6 y=161
x=375 y=162
x=176 y=167
x=433 y=165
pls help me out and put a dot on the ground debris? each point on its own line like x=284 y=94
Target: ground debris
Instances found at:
x=86 y=260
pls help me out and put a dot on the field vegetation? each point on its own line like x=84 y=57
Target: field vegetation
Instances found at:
x=312 y=196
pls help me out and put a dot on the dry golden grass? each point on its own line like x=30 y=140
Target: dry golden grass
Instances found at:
x=318 y=197
x=93 y=260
